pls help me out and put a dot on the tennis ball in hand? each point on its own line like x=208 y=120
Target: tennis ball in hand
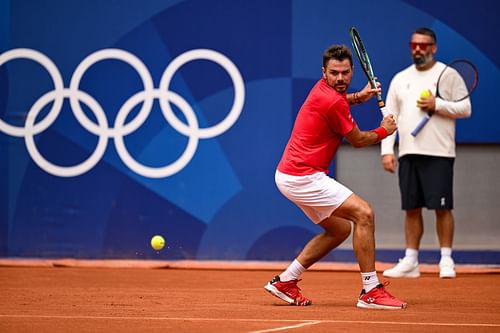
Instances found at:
x=425 y=93
x=157 y=242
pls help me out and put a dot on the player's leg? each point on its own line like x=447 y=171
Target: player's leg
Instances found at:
x=373 y=295
x=336 y=231
x=284 y=286
x=359 y=211
x=318 y=196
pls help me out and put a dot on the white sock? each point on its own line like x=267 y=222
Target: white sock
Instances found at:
x=292 y=272
x=446 y=252
x=370 y=280
x=412 y=254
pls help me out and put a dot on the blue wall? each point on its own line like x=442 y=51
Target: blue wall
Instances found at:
x=72 y=188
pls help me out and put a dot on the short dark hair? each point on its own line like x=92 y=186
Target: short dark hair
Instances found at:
x=337 y=52
x=427 y=32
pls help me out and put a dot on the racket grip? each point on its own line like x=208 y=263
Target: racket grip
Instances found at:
x=381 y=106
x=421 y=124
x=384 y=111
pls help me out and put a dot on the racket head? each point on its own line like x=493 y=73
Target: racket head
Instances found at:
x=457 y=81
x=364 y=60
x=361 y=53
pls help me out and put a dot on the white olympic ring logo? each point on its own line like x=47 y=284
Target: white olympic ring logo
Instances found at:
x=120 y=129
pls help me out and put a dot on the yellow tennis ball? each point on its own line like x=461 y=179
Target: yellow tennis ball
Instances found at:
x=157 y=242
x=425 y=93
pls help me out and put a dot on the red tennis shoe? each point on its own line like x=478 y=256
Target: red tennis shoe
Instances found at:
x=287 y=291
x=379 y=298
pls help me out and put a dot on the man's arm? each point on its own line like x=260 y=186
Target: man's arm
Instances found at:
x=358 y=138
x=363 y=95
x=454 y=110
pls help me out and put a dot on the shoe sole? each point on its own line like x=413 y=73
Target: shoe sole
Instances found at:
x=447 y=275
x=275 y=292
x=365 y=305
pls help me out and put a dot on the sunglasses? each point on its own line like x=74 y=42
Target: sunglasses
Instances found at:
x=422 y=46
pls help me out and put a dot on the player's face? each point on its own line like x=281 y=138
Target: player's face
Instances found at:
x=338 y=74
x=422 y=49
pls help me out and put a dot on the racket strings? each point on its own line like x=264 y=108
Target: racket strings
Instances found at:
x=457 y=81
x=468 y=74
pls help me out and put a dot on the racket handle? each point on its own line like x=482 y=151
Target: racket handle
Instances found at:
x=384 y=111
x=381 y=106
x=421 y=124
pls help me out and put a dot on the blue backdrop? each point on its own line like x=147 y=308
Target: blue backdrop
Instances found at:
x=100 y=182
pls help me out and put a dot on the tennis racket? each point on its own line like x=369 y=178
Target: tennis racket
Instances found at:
x=456 y=83
x=364 y=60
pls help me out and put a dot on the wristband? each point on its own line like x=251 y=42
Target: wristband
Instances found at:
x=381 y=133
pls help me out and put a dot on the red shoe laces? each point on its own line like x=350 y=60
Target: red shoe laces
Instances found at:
x=291 y=286
x=383 y=290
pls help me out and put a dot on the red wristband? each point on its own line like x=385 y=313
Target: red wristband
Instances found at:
x=381 y=133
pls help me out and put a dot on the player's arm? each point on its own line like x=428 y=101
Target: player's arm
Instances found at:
x=364 y=94
x=358 y=138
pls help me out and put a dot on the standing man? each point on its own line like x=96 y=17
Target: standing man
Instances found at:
x=425 y=161
x=323 y=120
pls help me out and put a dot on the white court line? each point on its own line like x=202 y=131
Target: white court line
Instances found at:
x=299 y=321
x=287 y=327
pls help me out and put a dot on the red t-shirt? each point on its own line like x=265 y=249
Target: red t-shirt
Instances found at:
x=323 y=120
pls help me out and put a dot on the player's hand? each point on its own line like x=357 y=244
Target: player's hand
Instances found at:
x=368 y=92
x=427 y=103
x=389 y=163
x=389 y=123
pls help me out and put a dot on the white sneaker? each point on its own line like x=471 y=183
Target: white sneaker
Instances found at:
x=447 y=268
x=405 y=268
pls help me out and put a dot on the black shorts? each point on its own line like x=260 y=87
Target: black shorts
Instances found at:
x=426 y=181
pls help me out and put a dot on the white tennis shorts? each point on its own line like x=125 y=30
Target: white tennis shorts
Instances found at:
x=317 y=195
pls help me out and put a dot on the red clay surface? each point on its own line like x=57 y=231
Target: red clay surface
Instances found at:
x=138 y=299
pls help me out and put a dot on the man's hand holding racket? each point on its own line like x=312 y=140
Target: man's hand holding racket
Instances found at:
x=389 y=123
x=368 y=92
x=389 y=160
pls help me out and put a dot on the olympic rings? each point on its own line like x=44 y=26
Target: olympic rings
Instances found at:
x=121 y=129
x=58 y=87
x=239 y=91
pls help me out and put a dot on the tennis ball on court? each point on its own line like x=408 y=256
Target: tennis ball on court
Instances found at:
x=157 y=242
x=425 y=93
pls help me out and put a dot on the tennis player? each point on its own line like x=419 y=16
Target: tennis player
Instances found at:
x=322 y=122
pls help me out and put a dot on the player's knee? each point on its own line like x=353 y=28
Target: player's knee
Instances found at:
x=365 y=216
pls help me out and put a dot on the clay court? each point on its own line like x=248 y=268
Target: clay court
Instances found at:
x=79 y=296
